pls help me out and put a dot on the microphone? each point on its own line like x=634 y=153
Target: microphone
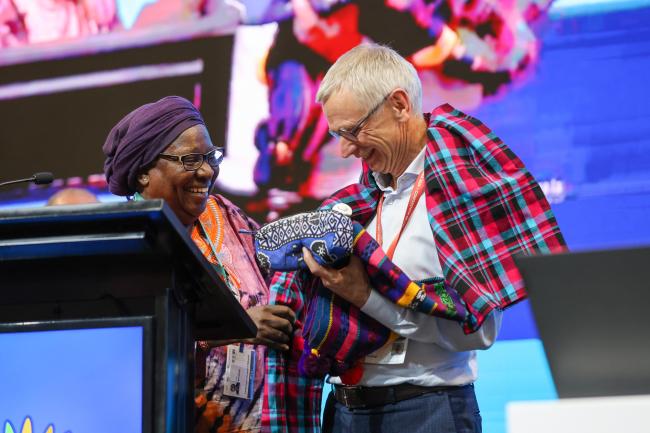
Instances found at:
x=41 y=178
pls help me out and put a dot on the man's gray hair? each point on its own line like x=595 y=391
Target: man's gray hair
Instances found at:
x=371 y=72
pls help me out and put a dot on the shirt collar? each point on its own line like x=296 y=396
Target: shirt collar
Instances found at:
x=406 y=179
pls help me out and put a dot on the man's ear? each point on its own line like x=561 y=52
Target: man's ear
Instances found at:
x=400 y=104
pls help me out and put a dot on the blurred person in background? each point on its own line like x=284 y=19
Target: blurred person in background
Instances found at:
x=464 y=51
x=68 y=196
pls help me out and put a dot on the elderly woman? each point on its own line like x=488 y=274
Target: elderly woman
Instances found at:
x=163 y=150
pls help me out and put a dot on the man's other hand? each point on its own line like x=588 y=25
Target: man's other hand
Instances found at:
x=350 y=283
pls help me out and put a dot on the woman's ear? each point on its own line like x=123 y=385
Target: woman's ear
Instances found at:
x=143 y=180
x=214 y=177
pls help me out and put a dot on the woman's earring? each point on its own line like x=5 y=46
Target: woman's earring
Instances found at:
x=143 y=179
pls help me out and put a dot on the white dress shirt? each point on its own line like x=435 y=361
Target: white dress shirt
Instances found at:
x=438 y=351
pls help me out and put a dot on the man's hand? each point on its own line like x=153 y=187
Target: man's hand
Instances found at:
x=350 y=283
x=274 y=325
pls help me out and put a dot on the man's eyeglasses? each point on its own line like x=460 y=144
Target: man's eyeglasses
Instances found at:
x=194 y=161
x=351 y=133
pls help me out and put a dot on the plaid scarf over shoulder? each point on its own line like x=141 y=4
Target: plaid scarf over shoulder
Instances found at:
x=483 y=208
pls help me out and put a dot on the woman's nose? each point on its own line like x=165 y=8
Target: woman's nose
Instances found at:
x=205 y=171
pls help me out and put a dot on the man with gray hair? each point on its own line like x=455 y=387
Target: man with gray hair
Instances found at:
x=449 y=204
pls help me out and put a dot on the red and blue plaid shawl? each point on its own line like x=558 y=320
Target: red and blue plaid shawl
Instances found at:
x=484 y=207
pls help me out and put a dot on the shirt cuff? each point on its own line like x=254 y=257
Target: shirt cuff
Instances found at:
x=372 y=303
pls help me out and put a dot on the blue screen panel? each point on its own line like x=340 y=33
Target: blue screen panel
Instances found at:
x=512 y=370
x=80 y=380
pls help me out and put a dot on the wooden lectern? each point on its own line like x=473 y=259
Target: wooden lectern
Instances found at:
x=133 y=262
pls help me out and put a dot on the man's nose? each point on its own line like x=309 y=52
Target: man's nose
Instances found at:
x=348 y=148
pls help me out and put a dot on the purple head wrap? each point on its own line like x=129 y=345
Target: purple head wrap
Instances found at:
x=135 y=142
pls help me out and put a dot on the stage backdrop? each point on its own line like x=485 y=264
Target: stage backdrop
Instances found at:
x=563 y=83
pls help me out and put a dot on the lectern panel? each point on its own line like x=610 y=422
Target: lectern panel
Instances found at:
x=76 y=376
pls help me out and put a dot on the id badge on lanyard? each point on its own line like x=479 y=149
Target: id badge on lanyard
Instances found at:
x=239 y=378
x=393 y=352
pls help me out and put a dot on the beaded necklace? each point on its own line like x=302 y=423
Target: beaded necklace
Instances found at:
x=212 y=241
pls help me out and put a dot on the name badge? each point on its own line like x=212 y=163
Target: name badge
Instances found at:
x=393 y=352
x=240 y=371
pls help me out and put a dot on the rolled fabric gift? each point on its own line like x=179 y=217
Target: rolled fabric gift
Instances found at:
x=338 y=335
x=327 y=234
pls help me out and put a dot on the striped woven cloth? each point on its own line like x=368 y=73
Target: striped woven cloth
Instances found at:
x=483 y=207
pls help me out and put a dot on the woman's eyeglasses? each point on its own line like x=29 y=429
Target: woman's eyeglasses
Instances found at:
x=194 y=161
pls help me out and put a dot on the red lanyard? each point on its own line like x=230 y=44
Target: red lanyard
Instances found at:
x=418 y=189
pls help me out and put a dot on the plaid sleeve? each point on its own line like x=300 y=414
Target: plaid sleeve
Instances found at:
x=485 y=207
x=291 y=401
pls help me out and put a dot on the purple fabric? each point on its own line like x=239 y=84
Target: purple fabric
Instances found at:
x=137 y=139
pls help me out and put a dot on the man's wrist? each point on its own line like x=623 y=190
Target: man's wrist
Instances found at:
x=362 y=297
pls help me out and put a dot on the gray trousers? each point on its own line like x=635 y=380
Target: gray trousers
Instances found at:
x=452 y=411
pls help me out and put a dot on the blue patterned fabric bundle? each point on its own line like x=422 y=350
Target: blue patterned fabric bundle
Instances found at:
x=328 y=234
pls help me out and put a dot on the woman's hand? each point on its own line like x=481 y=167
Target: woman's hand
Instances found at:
x=274 y=325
